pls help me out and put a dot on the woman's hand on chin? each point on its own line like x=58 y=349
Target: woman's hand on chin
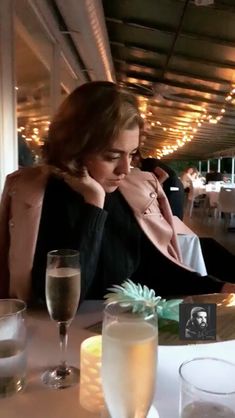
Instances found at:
x=81 y=182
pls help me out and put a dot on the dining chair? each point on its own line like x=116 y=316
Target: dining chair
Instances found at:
x=196 y=194
x=226 y=203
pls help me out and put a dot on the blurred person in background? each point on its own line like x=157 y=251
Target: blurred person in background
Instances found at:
x=25 y=155
x=214 y=175
x=189 y=177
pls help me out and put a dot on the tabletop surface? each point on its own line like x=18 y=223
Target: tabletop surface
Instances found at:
x=38 y=401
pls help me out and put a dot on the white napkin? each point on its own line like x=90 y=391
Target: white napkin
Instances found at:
x=153 y=413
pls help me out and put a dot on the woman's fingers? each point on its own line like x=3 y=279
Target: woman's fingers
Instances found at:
x=83 y=172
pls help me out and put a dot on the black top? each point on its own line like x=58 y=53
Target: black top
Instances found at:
x=112 y=247
x=149 y=164
x=103 y=241
x=214 y=176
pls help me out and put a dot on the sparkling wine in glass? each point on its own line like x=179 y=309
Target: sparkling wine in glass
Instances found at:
x=129 y=359
x=63 y=285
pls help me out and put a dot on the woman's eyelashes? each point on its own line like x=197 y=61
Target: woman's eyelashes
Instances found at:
x=112 y=157
x=116 y=156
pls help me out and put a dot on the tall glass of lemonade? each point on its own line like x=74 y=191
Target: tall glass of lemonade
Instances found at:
x=129 y=359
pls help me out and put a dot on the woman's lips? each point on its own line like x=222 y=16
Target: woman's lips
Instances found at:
x=115 y=181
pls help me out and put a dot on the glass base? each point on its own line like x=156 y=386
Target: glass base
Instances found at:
x=61 y=378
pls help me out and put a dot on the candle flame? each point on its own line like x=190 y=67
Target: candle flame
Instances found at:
x=231 y=300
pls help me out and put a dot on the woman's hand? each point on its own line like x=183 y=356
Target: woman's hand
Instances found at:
x=92 y=192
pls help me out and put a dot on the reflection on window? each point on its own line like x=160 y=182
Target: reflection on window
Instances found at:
x=68 y=80
x=32 y=70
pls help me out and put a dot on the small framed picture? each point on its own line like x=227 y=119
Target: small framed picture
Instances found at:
x=197 y=322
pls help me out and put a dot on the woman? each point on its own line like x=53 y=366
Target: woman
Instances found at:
x=85 y=198
x=187 y=178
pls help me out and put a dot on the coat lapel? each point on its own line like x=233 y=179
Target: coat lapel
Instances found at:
x=27 y=194
x=145 y=196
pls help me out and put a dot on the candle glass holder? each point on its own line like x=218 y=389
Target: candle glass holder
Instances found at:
x=91 y=393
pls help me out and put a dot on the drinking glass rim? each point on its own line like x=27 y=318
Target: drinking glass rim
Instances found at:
x=18 y=311
x=107 y=305
x=198 y=388
x=70 y=252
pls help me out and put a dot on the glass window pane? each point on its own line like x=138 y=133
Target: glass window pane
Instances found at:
x=33 y=59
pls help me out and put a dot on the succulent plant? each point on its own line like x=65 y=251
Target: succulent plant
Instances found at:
x=133 y=295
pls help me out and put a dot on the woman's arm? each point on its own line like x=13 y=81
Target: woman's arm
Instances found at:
x=89 y=231
x=91 y=228
x=81 y=182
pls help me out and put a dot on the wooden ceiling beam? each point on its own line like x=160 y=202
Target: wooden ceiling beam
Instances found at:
x=168 y=30
x=163 y=53
x=195 y=87
x=156 y=79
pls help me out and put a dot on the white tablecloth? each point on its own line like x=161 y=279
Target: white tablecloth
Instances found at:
x=190 y=247
x=37 y=401
x=192 y=253
x=211 y=190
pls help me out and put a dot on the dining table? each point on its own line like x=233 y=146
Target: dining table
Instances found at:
x=39 y=401
x=210 y=192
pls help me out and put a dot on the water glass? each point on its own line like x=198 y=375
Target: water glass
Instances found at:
x=12 y=346
x=129 y=358
x=207 y=388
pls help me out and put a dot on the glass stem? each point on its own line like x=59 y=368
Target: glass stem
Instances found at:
x=63 y=332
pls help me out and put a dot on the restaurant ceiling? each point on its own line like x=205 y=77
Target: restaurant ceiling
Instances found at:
x=179 y=59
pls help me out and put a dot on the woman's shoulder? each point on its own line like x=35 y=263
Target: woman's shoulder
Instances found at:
x=138 y=183
x=27 y=176
x=137 y=175
x=27 y=172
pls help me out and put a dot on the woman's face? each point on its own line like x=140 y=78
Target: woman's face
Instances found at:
x=109 y=167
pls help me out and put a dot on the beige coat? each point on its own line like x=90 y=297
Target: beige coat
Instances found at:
x=20 y=213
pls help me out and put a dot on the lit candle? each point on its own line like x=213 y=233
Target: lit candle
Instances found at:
x=91 y=393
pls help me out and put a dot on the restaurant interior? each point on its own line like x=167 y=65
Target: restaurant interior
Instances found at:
x=178 y=58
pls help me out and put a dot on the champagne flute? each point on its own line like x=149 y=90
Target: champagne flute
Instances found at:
x=63 y=284
x=129 y=358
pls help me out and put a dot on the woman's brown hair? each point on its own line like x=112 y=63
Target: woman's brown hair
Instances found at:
x=88 y=121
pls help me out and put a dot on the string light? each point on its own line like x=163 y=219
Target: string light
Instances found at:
x=34 y=132
x=189 y=124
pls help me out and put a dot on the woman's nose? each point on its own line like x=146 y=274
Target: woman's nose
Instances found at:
x=123 y=166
